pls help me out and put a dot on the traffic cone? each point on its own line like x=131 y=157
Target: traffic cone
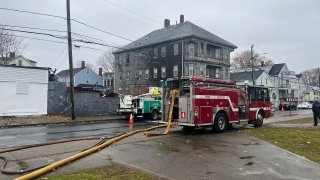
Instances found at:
x=282 y=109
x=131 y=119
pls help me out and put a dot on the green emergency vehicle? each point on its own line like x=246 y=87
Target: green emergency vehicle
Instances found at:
x=148 y=106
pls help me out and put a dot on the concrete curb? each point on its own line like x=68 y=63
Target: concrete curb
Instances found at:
x=61 y=123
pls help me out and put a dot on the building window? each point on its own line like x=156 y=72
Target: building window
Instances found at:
x=191 y=49
x=266 y=82
x=201 y=49
x=87 y=81
x=226 y=54
x=136 y=75
x=128 y=58
x=140 y=74
x=128 y=76
x=217 y=54
x=147 y=74
x=175 y=49
x=190 y=69
x=201 y=70
x=217 y=73
x=163 y=71
x=163 y=51
x=20 y=62
x=155 y=73
x=227 y=73
x=175 y=71
x=207 y=72
x=88 y=71
x=155 y=53
x=111 y=82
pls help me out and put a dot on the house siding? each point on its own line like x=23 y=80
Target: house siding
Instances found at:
x=24 y=91
x=82 y=76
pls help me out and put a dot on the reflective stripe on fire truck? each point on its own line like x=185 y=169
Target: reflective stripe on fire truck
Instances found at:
x=218 y=97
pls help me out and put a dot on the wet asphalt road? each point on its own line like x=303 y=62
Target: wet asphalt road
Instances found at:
x=14 y=137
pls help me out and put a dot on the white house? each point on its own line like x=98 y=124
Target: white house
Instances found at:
x=260 y=78
x=83 y=76
x=24 y=90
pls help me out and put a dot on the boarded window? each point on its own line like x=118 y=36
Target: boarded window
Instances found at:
x=22 y=87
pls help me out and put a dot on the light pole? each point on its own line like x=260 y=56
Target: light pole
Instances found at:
x=253 y=82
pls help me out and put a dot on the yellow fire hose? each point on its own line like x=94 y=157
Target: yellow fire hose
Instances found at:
x=173 y=94
x=82 y=154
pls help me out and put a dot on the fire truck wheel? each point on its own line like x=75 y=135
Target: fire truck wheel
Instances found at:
x=154 y=115
x=259 y=121
x=220 y=123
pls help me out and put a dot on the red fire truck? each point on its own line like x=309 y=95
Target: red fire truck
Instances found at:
x=216 y=103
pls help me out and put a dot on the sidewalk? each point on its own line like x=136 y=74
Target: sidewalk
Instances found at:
x=11 y=122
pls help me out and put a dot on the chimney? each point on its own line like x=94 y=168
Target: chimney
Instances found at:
x=181 y=18
x=166 y=23
x=83 y=64
x=262 y=63
x=100 y=71
x=12 y=55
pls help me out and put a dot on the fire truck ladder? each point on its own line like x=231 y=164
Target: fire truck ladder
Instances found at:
x=173 y=94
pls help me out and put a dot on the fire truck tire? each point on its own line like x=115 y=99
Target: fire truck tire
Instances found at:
x=154 y=115
x=259 y=121
x=220 y=123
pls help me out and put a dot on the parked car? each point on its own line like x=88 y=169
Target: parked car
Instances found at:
x=304 y=105
x=288 y=106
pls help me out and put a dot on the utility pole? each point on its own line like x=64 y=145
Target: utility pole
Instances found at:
x=253 y=82
x=70 y=62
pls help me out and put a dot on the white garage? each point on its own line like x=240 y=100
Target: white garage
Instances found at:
x=23 y=90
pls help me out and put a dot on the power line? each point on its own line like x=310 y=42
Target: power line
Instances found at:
x=79 y=22
x=55 y=30
x=35 y=13
x=133 y=12
x=64 y=18
x=60 y=37
x=33 y=32
x=60 y=42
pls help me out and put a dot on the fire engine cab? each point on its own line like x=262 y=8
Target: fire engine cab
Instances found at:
x=217 y=103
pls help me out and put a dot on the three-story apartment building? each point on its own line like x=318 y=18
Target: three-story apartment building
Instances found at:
x=174 y=51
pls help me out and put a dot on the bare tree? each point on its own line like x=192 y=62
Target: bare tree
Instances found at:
x=9 y=43
x=243 y=60
x=312 y=76
x=106 y=61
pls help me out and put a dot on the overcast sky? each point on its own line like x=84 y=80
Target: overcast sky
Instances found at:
x=287 y=30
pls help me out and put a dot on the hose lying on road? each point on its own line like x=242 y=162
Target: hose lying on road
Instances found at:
x=3 y=171
x=82 y=154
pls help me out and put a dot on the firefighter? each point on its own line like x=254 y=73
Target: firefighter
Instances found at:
x=316 y=111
